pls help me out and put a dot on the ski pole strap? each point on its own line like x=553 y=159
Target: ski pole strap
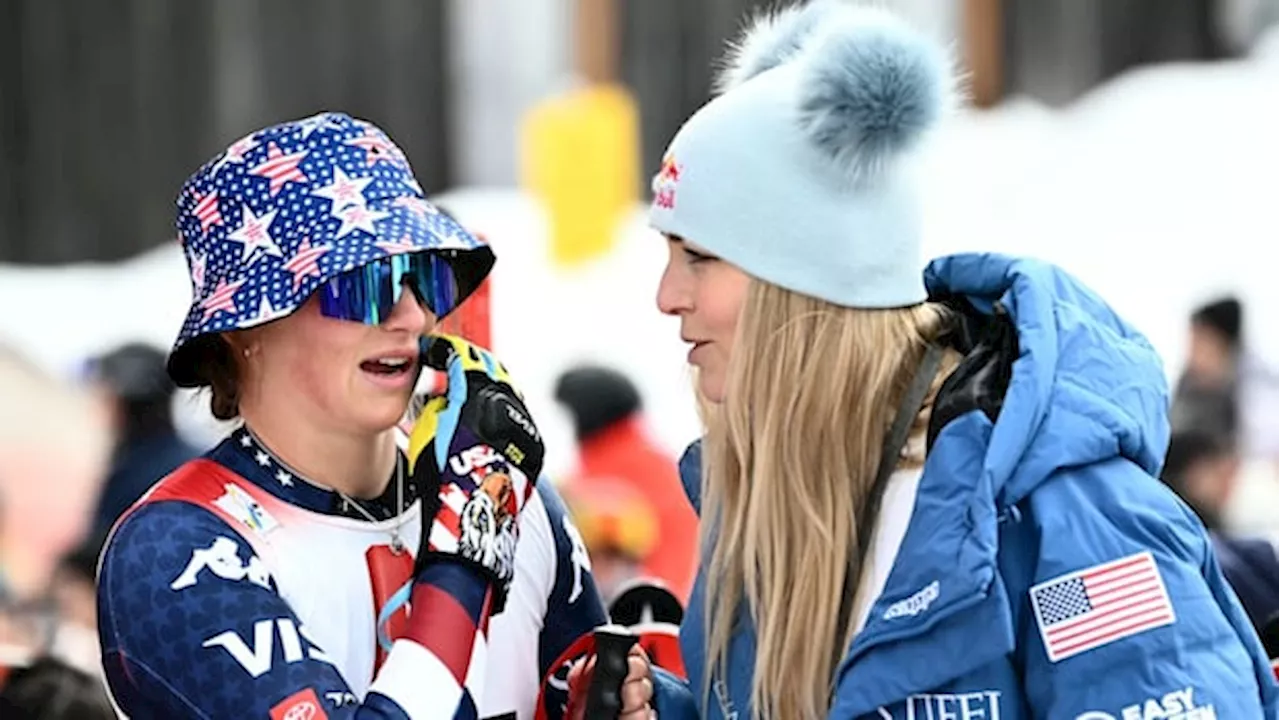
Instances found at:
x=894 y=441
x=912 y=401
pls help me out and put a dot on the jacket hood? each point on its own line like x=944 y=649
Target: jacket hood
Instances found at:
x=1085 y=385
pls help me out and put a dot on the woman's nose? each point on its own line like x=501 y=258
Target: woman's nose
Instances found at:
x=674 y=297
x=410 y=314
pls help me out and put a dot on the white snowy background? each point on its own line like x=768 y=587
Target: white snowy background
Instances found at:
x=1157 y=189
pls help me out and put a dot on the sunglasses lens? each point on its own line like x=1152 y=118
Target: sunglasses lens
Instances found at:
x=434 y=283
x=368 y=294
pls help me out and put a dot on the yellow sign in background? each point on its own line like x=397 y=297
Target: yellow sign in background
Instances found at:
x=580 y=157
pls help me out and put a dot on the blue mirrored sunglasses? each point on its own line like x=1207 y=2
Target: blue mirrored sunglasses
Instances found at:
x=369 y=293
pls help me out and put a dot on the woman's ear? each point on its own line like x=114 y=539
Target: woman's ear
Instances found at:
x=243 y=343
x=236 y=342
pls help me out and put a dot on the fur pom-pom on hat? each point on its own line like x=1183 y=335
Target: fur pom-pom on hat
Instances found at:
x=869 y=90
x=804 y=169
x=870 y=86
x=771 y=38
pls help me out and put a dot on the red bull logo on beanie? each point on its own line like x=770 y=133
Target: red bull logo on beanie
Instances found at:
x=664 y=183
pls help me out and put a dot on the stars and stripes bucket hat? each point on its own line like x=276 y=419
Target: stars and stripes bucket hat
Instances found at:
x=290 y=208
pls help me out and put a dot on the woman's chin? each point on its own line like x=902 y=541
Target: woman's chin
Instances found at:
x=382 y=414
x=711 y=387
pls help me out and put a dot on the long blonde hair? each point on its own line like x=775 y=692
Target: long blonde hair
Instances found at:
x=789 y=459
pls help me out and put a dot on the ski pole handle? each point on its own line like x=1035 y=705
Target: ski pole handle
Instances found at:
x=604 y=695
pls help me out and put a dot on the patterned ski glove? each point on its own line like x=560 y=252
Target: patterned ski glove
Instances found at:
x=476 y=454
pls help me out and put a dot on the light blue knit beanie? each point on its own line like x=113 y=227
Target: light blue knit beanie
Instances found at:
x=804 y=170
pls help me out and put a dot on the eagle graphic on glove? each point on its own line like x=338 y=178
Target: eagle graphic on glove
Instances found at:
x=488 y=524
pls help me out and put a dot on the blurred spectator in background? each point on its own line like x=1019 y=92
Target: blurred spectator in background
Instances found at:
x=618 y=527
x=54 y=446
x=148 y=447
x=1201 y=468
x=50 y=689
x=1225 y=386
x=613 y=446
x=1205 y=395
x=73 y=593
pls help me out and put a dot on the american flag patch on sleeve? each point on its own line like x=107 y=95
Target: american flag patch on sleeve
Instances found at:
x=1088 y=608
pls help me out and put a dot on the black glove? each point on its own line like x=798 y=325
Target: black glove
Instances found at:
x=476 y=455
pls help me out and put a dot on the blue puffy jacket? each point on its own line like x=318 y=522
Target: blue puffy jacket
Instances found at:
x=1038 y=507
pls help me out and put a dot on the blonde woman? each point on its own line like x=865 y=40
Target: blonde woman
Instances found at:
x=923 y=494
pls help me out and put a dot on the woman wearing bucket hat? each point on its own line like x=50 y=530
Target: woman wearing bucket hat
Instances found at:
x=924 y=494
x=307 y=567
